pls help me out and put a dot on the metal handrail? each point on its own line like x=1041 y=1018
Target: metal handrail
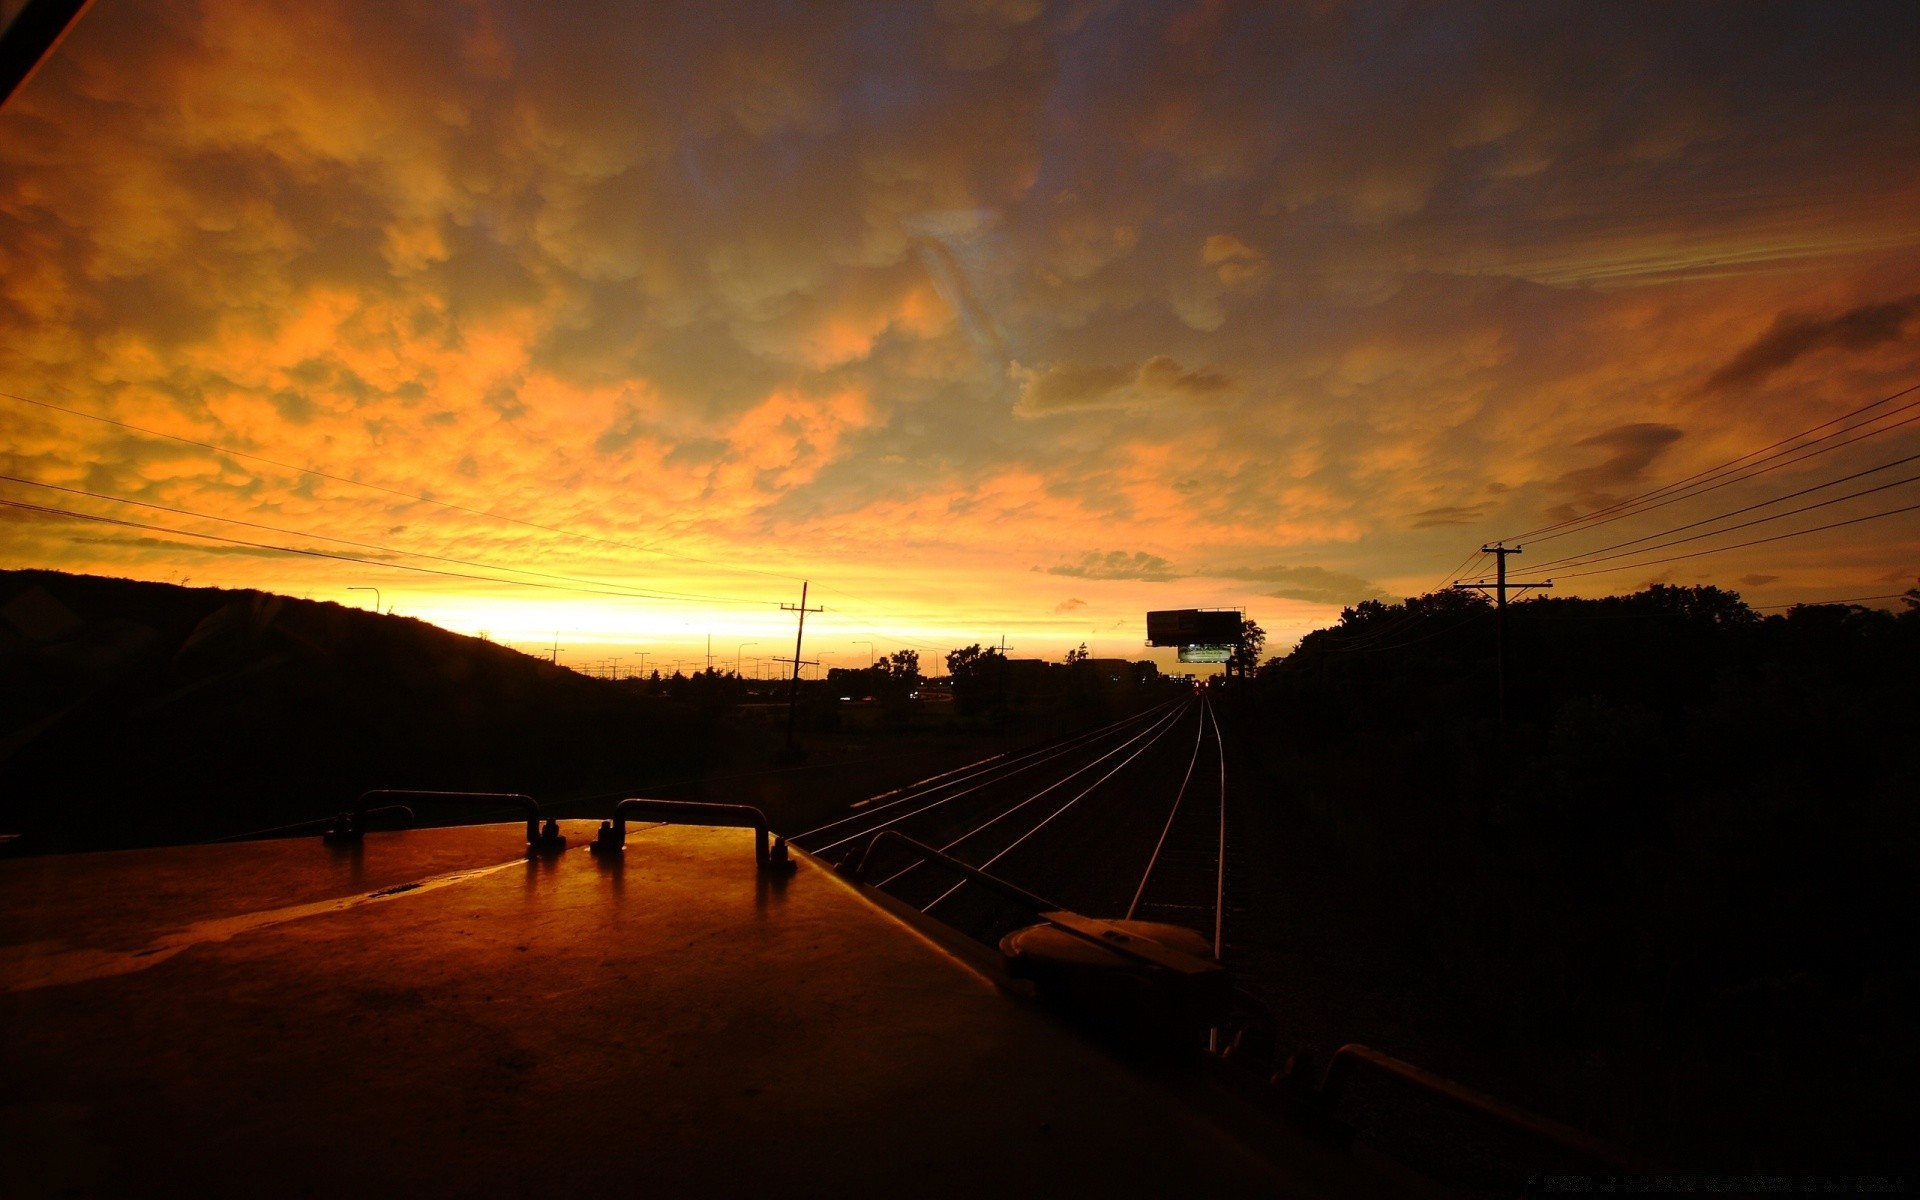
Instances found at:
x=1104 y=934
x=1348 y=1058
x=349 y=826
x=612 y=838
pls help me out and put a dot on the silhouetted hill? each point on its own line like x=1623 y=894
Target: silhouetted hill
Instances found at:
x=144 y=712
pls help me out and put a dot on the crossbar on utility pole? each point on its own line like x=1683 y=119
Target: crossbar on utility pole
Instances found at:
x=793 y=695
x=1500 y=586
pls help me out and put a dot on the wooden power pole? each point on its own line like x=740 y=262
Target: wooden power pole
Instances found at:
x=1499 y=587
x=793 y=695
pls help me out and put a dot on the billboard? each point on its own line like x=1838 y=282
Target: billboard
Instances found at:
x=1194 y=627
x=1205 y=654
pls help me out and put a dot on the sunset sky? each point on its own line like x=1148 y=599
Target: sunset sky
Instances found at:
x=987 y=317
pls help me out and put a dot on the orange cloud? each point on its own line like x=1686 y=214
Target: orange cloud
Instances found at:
x=915 y=299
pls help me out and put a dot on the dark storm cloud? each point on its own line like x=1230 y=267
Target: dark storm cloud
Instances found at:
x=1118 y=564
x=1795 y=335
x=1158 y=380
x=1629 y=449
x=1316 y=585
x=1451 y=514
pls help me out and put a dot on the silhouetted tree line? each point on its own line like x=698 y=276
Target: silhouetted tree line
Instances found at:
x=893 y=681
x=1675 y=891
x=990 y=686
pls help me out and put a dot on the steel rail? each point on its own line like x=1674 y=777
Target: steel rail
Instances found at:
x=1220 y=879
x=986 y=765
x=1153 y=860
x=1058 y=752
x=929 y=907
x=1007 y=812
x=1006 y=767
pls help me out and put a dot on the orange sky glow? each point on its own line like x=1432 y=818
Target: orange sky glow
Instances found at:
x=987 y=317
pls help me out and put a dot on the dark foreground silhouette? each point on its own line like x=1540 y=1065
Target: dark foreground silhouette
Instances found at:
x=1672 y=899
x=137 y=713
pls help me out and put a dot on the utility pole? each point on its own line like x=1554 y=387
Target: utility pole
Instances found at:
x=1500 y=586
x=556 y=648
x=793 y=695
x=710 y=653
x=1003 y=646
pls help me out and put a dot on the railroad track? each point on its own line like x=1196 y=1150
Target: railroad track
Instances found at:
x=1128 y=820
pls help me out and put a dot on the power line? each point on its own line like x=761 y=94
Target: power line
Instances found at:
x=1694 y=493
x=1591 y=518
x=1736 y=512
x=187 y=512
x=1743 y=545
x=1396 y=622
x=1581 y=560
x=405 y=495
x=1817 y=603
x=309 y=553
x=1464 y=618
x=444 y=504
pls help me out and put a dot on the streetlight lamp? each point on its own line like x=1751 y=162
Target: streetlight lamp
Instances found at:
x=736 y=656
x=374 y=590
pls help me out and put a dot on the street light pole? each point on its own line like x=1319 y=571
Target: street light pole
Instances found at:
x=736 y=656
x=374 y=590
x=868 y=645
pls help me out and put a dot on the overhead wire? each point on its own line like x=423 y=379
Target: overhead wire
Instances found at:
x=453 y=506
x=1464 y=618
x=1591 y=518
x=1781 y=537
x=1776 y=462
x=1819 y=487
x=1594 y=557
x=1818 y=603
x=305 y=552
x=403 y=494
x=444 y=504
x=478 y=564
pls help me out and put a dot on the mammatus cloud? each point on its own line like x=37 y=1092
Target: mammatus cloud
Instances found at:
x=740 y=288
x=1629 y=450
x=1159 y=380
x=1118 y=564
x=1316 y=585
x=1795 y=335
x=1452 y=514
